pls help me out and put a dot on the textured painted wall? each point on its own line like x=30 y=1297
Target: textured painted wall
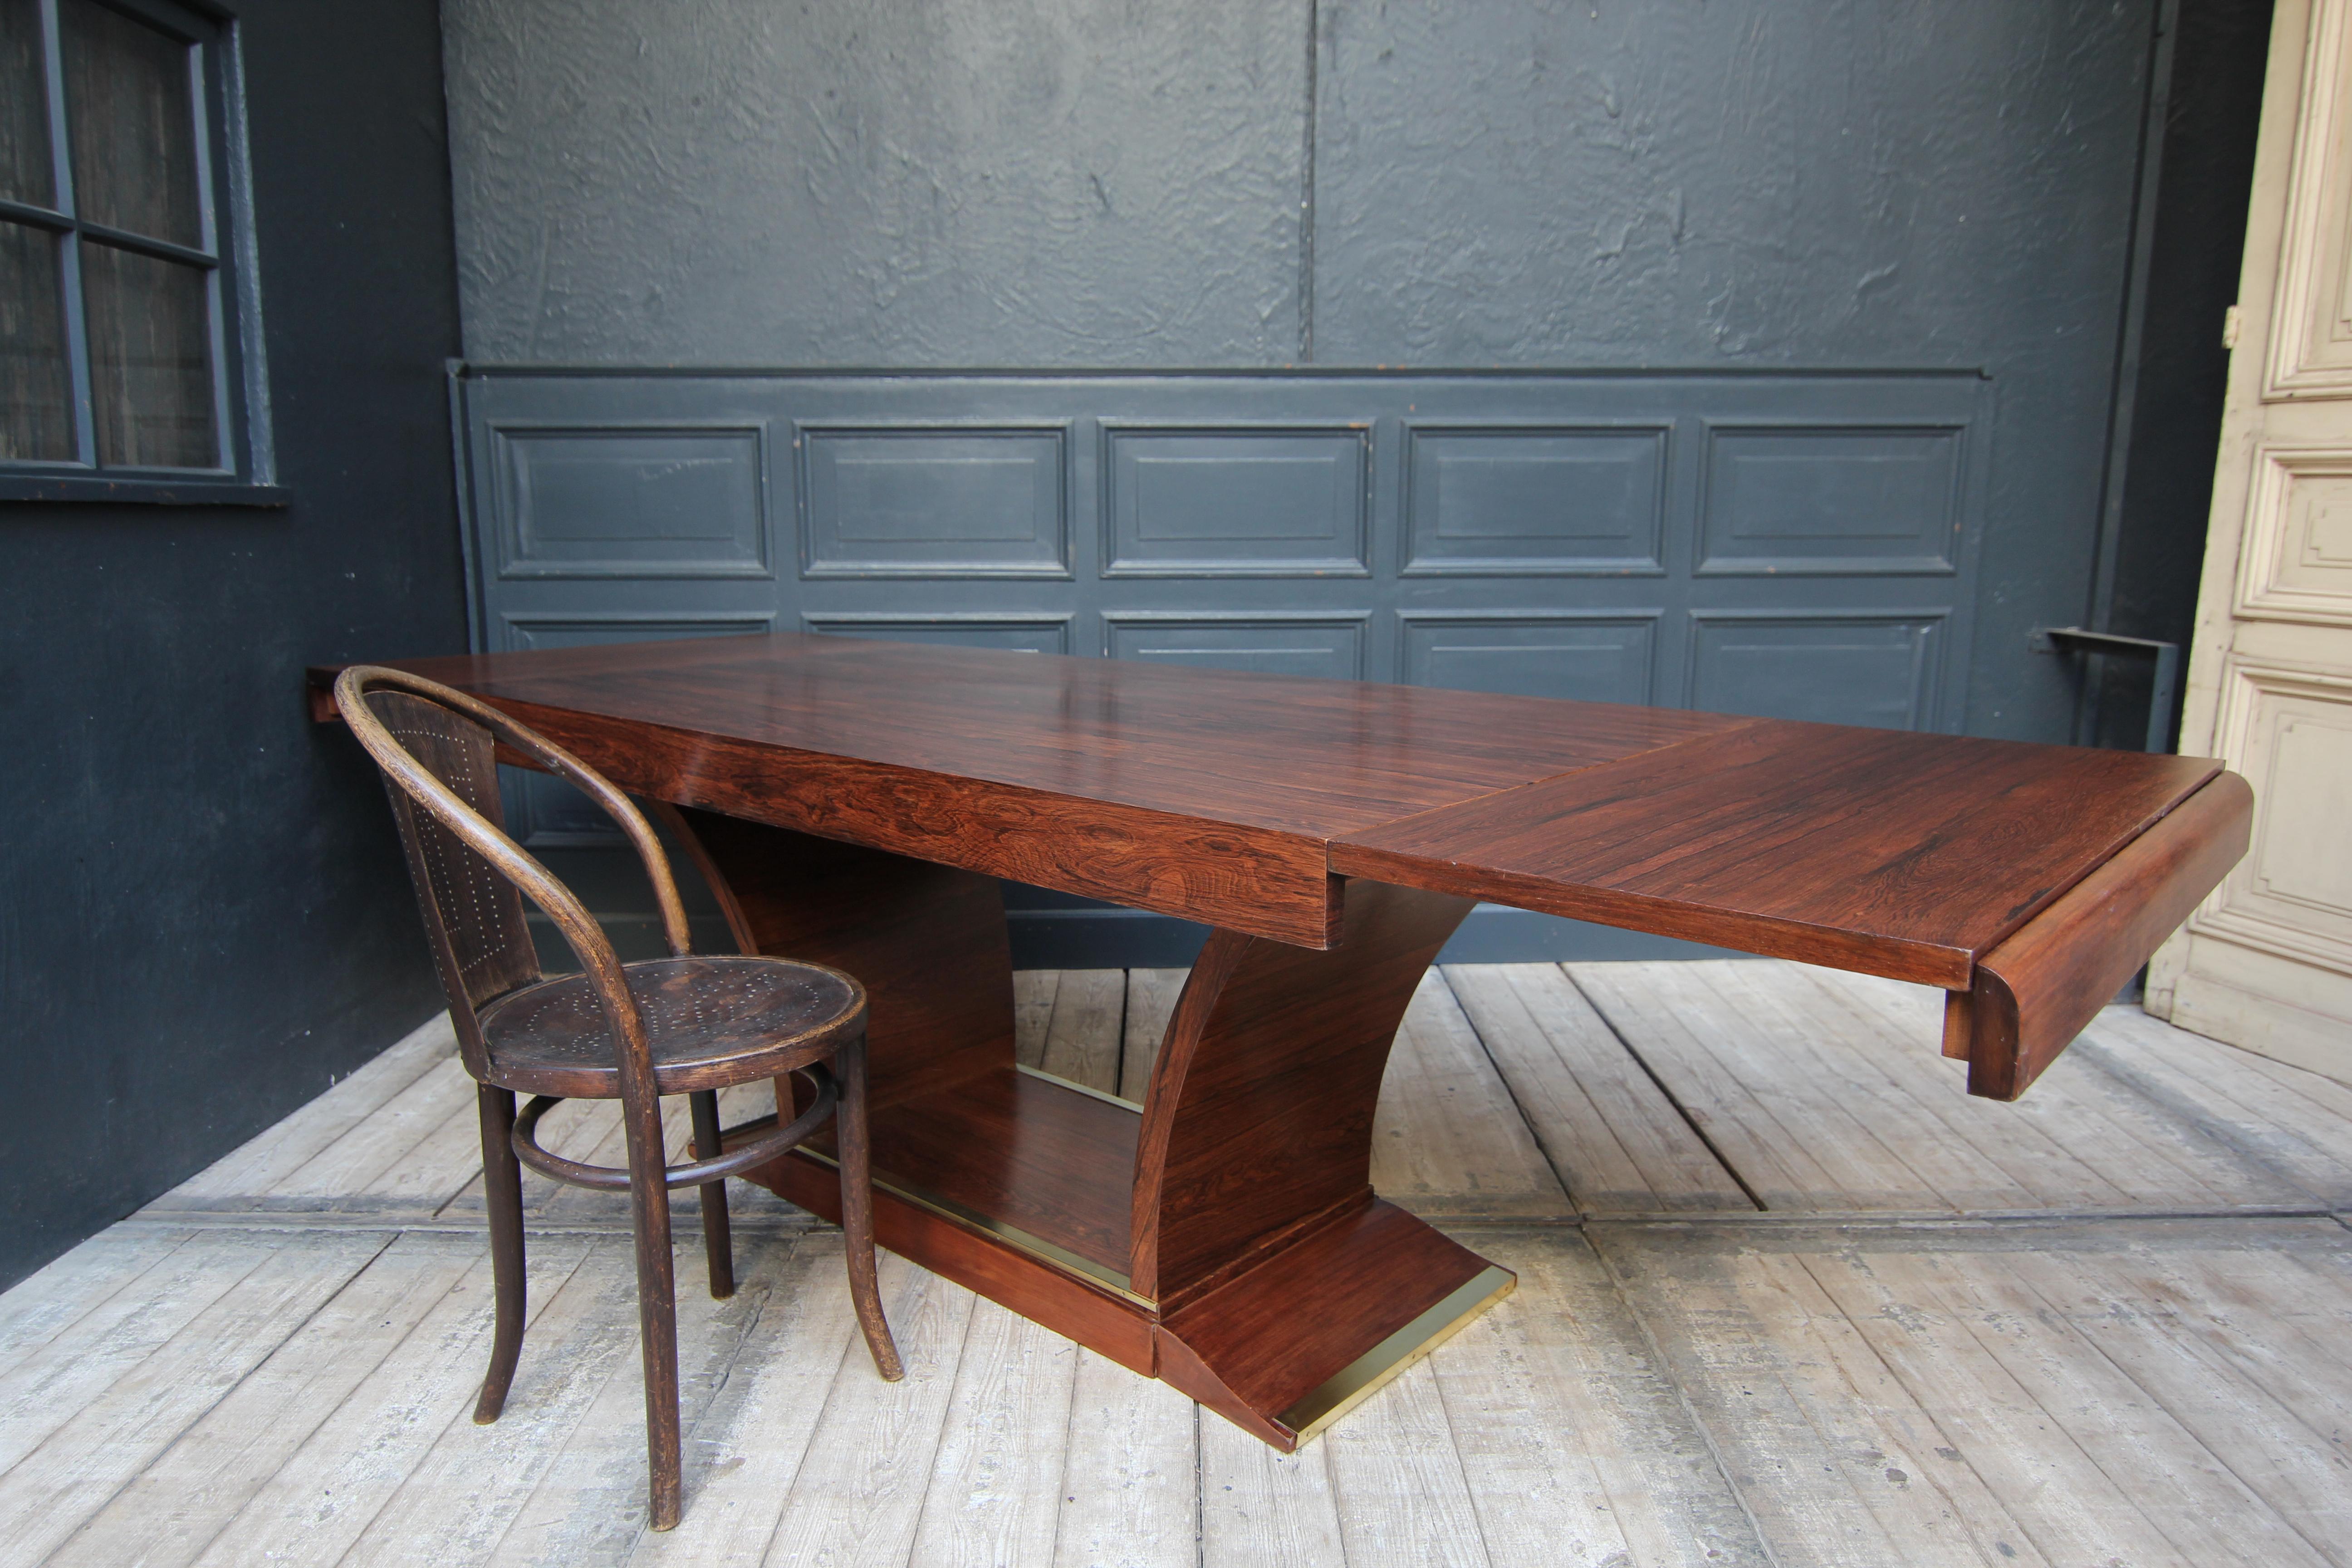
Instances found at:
x=735 y=182
x=204 y=916
x=1093 y=183
x=1847 y=183
x=1841 y=181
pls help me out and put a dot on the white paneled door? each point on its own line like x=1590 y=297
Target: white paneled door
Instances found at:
x=2267 y=962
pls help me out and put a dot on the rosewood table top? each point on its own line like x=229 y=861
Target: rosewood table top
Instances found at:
x=1233 y=798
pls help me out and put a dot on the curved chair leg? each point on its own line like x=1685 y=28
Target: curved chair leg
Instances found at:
x=503 y=1195
x=656 y=1302
x=857 y=1208
x=717 y=1245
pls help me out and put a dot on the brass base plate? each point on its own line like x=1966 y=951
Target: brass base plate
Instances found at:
x=1369 y=1372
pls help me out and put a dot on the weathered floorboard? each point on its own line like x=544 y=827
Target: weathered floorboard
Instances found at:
x=1914 y=1393
x=260 y=1162
x=1621 y=1144
x=742 y=1455
x=1577 y=1447
x=178 y=1503
x=271 y=1364
x=1821 y=1102
x=585 y=1338
x=106 y=1440
x=1131 y=1472
x=857 y=1498
x=1259 y=1507
x=316 y=1502
x=1446 y=1138
x=2295 y=1123
x=995 y=1491
x=571 y=1513
x=1397 y=1478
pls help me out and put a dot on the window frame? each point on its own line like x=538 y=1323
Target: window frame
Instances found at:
x=245 y=471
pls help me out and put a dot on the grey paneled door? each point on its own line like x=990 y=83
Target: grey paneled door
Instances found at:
x=1800 y=546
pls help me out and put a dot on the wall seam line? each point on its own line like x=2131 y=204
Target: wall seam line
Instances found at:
x=1306 y=190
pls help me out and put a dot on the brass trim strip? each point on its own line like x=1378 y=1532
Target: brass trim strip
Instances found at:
x=1058 y=1081
x=1013 y=1235
x=1369 y=1372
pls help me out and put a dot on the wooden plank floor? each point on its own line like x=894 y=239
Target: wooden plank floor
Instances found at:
x=1787 y=1296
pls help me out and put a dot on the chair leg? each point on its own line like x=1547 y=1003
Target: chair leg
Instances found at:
x=656 y=1303
x=717 y=1245
x=857 y=1208
x=502 y=1194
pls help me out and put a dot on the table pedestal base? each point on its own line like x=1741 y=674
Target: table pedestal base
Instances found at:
x=1225 y=1235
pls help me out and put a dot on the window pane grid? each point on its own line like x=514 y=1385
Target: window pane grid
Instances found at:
x=113 y=349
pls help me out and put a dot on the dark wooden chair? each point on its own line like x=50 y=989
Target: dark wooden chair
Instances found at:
x=635 y=1032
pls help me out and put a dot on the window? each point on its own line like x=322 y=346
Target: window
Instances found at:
x=123 y=336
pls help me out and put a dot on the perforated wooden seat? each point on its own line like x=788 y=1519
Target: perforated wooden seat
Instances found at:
x=710 y=1022
x=681 y=1024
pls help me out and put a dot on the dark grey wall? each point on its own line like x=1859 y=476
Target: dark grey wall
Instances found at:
x=203 y=917
x=1946 y=183
x=2147 y=585
x=736 y=181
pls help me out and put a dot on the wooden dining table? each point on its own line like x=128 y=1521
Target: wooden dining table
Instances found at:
x=855 y=802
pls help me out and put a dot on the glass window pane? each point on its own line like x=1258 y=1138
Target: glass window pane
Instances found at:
x=151 y=379
x=132 y=124
x=35 y=394
x=25 y=172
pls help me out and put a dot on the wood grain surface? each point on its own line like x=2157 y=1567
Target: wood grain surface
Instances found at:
x=928 y=941
x=1204 y=793
x=849 y=801
x=1239 y=800
x=1250 y=1152
x=1253 y=1346
x=1886 y=851
x=1048 y=1294
x=1260 y=1112
x=2034 y=993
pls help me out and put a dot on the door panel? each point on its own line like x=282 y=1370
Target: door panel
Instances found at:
x=2266 y=962
x=930 y=503
x=613 y=502
x=1833 y=668
x=1613 y=536
x=1534 y=502
x=1589 y=657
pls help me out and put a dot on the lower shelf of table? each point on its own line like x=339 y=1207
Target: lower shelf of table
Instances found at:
x=1019 y=1187
x=1045 y=1167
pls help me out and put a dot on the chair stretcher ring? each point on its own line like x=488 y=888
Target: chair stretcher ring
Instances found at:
x=698 y=1173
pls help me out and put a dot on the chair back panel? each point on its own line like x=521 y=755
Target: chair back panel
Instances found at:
x=474 y=913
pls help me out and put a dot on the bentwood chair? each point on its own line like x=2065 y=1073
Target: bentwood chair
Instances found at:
x=635 y=1032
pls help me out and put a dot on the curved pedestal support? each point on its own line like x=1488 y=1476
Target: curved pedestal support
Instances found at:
x=1225 y=1235
x=1286 y=1290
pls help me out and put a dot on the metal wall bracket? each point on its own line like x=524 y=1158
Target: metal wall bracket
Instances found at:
x=2166 y=655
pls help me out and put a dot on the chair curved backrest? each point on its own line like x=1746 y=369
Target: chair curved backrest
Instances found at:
x=437 y=747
